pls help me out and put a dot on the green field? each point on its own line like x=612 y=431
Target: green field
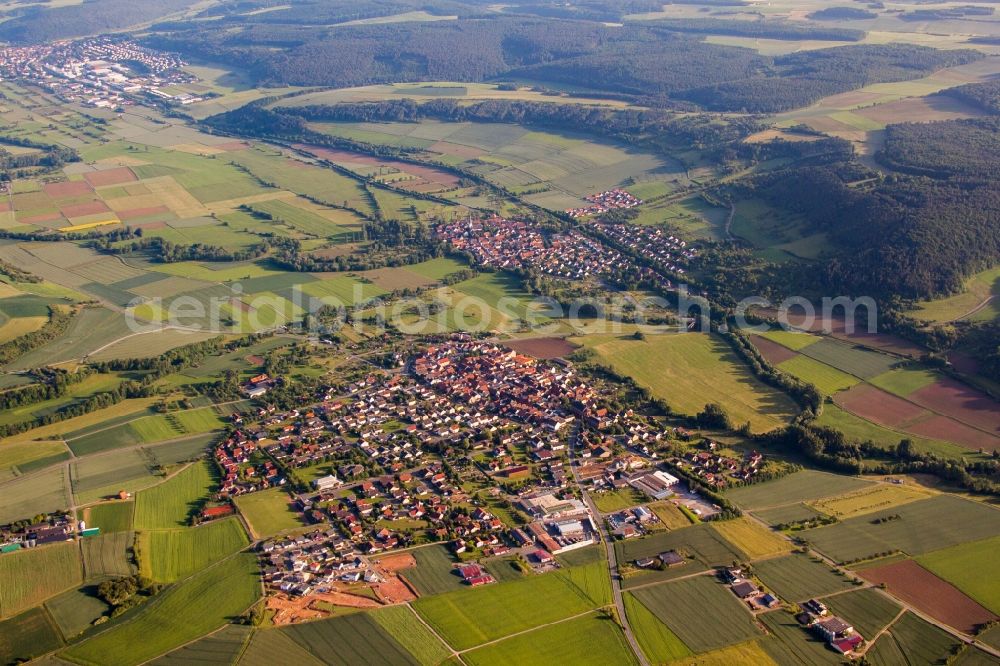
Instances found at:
x=658 y=643
x=791 y=513
x=702 y=542
x=176 y=616
x=702 y=612
x=110 y=516
x=904 y=381
x=467 y=618
x=176 y=424
x=171 y=503
x=75 y=610
x=402 y=623
x=690 y=370
x=30 y=634
x=168 y=555
x=23 y=457
x=850 y=359
x=591 y=639
x=222 y=647
x=269 y=512
x=963 y=566
x=797 y=487
x=795 y=340
x=106 y=555
x=797 y=578
x=869 y=610
x=911 y=641
x=922 y=527
x=617 y=500
x=434 y=572
x=21 y=586
x=825 y=378
x=348 y=640
x=269 y=647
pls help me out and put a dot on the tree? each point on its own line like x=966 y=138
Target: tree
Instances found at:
x=714 y=416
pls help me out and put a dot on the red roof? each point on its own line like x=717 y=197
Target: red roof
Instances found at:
x=217 y=511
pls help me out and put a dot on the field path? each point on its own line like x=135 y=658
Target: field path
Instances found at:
x=981 y=306
x=454 y=653
x=528 y=631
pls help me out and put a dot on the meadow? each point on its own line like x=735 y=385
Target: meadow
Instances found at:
x=562 y=642
x=30 y=634
x=268 y=512
x=171 y=503
x=469 y=617
x=169 y=555
x=20 y=585
x=793 y=488
x=683 y=606
x=690 y=370
x=402 y=623
x=176 y=616
x=434 y=573
x=827 y=379
x=977 y=302
x=74 y=611
x=798 y=577
x=921 y=527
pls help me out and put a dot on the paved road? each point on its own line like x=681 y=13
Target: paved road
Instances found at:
x=609 y=547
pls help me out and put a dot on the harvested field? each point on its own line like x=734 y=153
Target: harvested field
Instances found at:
x=543 y=348
x=961 y=402
x=82 y=209
x=919 y=109
x=772 y=351
x=874 y=498
x=135 y=213
x=753 y=539
x=877 y=406
x=110 y=177
x=915 y=585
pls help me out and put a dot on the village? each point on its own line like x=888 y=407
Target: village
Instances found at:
x=100 y=72
x=616 y=199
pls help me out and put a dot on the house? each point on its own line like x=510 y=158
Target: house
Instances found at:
x=832 y=628
x=671 y=558
x=744 y=589
x=542 y=556
x=213 y=512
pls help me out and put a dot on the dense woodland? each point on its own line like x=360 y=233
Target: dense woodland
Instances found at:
x=659 y=63
x=38 y=23
x=985 y=95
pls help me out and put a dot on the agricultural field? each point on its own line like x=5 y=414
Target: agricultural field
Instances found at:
x=868 y=610
x=75 y=611
x=20 y=585
x=670 y=516
x=856 y=428
x=916 y=528
x=107 y=555
x=963 y=566
x=109 y=516
x=701 y=542
x=658 y=643
x=796 y=578
x=562 y=642
x=268 y=512
x=617 y=500
x=691 y=370
x=32 y=494
x=683 y=605
x=910 y=640
x=176 y=616
x=169 y=555
x=849 y=359
x=752 y=539
x=99 y=477
x=222 y=647
x=18 y=458
x=469 y=617
x=171 y=503
x=434 y=573
x=793 y=488
x=30 y=634
x=350 y=639
x=269 y=647
x=402 y=623
x=827 y=379
x=870 y=499
x=783 y=515
x=921 y=589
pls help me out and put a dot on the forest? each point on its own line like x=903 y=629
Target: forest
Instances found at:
x=39 y=23
x=985 y=95
x=663 y=63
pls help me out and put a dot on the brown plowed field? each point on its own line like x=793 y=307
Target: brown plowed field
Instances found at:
x=941 y=427
x=961 y=402
x=544 y=348
x=89 y=208
x=878 y=406
x=884 y=341
x=70 y=188
x=926 y=592
x=772 y=351
x=36 y=219
x=117 y=176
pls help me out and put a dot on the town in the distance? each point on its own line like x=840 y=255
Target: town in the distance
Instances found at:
x=442 y=332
